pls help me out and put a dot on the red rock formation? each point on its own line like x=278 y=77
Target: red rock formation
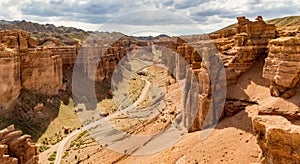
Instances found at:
x=238 y=51
x=38 y=76
x=250 y=41
x=26 y=65
x=10 y=85
x=282 y=65
x=278 y=139
x=16 y=148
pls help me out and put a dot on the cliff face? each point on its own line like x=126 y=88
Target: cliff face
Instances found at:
x=10 y=77
x=26 y=65
x=38 y=76
x=16 y=148
x=282 y=66
x=30 y=66
x=39 y=66
x=278 y=137
x=238 y=49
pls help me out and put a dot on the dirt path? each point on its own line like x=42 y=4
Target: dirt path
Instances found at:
x=63 y=144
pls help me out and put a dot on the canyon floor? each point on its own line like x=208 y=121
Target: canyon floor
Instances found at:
x=231 y=141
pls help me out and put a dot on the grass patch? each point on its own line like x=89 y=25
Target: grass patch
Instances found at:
x=107 y=105
x=66 y=118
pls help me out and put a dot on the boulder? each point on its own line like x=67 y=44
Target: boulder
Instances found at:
x=16 y=148
x=278 y=139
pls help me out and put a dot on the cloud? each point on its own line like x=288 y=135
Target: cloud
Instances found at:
x=183 y=4
x=209 y=15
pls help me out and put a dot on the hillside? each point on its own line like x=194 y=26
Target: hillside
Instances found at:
x=290 y=22
x=36 y=27
x=67 y=35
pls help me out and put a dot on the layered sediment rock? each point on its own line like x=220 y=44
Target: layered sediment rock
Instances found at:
x=25 y=65
x=16 y=148
x=41 y=71
x=249 y=42
x=238 y=48
x=278 y=139
x=10 y=84
x=282 y=66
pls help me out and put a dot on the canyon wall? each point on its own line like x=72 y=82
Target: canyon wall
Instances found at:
x=39 y=67
x=10 y=84
x=275 y=128
x=41 y=71
x=26 y=65
x=238 y=49
x=282 y=66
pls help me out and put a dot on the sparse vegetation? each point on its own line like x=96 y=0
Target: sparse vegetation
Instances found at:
x=52 y=156
x=136 y=85
x=66 y=118
x=43 y=148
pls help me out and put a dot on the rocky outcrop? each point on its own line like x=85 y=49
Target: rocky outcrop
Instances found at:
x=16 y=148
x=278 y=139
x=39 y=66
x=26 y=65
x=282 y=66
x=238 y=48
x=240 y=51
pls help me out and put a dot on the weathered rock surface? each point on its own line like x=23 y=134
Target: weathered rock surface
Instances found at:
x=10 y=84
x=278 y=139
x=38 y=76
x=282 y=66
x=238 y=48
x=240 y=51
x=16 y=148
x=23 y=64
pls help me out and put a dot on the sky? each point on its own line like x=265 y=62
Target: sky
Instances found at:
x=145 y=17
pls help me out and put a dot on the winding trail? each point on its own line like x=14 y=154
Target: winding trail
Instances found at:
x=63 y=144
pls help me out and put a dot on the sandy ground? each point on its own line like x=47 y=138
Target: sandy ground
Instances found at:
x=231 y=141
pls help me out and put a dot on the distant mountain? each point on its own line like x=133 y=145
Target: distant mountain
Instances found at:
x=36 y=27
x=67 y=35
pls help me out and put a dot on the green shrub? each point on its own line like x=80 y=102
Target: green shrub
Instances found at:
x=52 y=156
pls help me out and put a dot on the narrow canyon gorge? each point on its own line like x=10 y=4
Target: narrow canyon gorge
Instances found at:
x=226 y=64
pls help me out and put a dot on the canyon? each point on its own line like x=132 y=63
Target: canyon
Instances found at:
x=40 y=66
